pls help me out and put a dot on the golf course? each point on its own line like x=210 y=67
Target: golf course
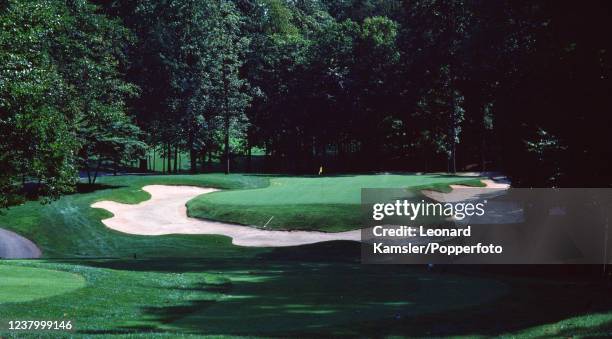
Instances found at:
x=305 y=169
x=112 y=283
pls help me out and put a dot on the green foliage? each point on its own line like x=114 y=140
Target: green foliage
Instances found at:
x=197 y=46
x=37 y=142
x=422 y=85
x=381 y=31
x=60 y=91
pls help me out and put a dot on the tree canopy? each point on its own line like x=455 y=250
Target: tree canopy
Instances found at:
x=354 y=85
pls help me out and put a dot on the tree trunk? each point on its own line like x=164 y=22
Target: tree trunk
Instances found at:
x=454 y=123
x=193 y=159
x=169 y=157
x=96 y=172
x=175 y=159
x=88 y=171
x=227 y=152
x=203 y=161
x=153 y=163
x=250 y=155
x=193 y=156
x=227 y=121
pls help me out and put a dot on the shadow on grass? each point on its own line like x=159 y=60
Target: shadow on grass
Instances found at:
x=89 y=188
x=324 y=252
x=322 y=290
x=292 y=294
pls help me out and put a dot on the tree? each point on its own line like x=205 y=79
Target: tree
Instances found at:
x=89 y=51
x=226 y=88
x=37 y=143
x=112 y=138
x=60 y=88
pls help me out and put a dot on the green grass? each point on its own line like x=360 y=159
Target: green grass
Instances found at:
x=235 y=297
x=69 y=227
x=328 y=203
x=274 y=295
x=591 y=325
x=20 y=284
x=203 y=285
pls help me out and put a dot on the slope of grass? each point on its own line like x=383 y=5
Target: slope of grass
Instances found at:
x=69 y=227
x=328 y=203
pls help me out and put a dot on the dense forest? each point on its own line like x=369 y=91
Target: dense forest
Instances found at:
x=521 y=87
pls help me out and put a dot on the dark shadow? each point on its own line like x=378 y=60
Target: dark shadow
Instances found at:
x=304 y=295
x=336 y=251
x=89 y=188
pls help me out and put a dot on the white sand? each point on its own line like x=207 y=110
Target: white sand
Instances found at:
x=166 y=213
x=466 y=193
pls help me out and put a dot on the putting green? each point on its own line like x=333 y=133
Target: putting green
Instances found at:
x=21 y=284
x=330 y=204
x=341 y=189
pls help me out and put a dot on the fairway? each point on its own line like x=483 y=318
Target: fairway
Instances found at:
x=276 y=298
x=329 y=204
x=22 y=284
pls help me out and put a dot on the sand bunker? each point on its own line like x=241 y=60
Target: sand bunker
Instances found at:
x=166 y=213
x=497 y=212
x=466 y=193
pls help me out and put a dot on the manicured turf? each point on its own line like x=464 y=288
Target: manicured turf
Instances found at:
x=20 y=284
x=203 y=285
x=69 y=227
x=312 y=203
